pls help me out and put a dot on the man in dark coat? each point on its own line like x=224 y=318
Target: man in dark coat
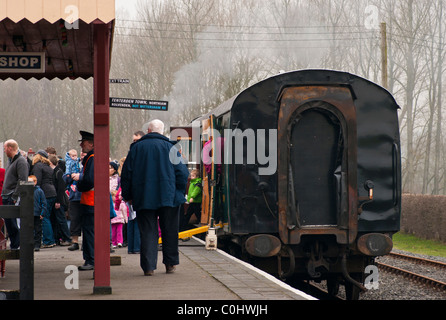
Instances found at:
x=16 y=171
x=154 y=180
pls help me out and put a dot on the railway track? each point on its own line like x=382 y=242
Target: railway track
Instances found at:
x=415 y=276
x=418 y=260
x=395 y=264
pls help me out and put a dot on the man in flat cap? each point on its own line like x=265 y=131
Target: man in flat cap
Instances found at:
x=86 y=186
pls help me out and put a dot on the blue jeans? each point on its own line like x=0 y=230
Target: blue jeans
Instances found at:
x=47 y=229
x=148 y=227
x=133 y=237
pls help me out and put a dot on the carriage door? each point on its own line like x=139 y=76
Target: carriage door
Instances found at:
x=208 y=170
x=317 y=174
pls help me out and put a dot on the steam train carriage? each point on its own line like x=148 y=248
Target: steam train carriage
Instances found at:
x=309 y=182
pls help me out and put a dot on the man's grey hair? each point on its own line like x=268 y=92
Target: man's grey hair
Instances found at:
x=12 y=143
x=156 y=126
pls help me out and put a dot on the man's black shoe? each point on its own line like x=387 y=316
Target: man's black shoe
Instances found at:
x=74 y=246
x=86 y=267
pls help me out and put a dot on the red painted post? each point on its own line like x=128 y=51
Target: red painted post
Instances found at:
x=101 y=159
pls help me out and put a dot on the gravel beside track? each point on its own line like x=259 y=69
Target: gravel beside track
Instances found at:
x=395 y=287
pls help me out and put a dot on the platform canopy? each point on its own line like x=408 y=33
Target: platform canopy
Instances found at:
x=68 y=39
x=61 y=29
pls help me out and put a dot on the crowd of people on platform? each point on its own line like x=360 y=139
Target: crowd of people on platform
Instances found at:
x=147 y=193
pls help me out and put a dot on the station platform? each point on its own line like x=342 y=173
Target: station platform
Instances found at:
x=201 y=275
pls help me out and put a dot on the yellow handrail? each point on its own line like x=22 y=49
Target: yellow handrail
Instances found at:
x=189 y=233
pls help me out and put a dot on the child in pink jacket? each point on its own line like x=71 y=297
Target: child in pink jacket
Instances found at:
x=118 y=222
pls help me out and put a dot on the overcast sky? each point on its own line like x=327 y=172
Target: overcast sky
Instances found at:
x=125 y=5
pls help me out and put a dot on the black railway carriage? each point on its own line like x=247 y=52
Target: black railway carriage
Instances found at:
x=309 y=185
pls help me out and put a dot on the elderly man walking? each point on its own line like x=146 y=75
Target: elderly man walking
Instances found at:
x=155 y=186
x=16 y=171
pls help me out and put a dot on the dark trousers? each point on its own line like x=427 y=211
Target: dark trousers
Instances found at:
x=133 y=237
x=75 y=218
x=184 y=220
x=148 y=227
x=87 y=223
x=12 y=227
x=37 y=232
x=60 y=225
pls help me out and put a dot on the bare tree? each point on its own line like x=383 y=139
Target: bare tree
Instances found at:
x=197 y=54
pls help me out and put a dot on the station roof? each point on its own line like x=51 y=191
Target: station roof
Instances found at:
x=39 y=26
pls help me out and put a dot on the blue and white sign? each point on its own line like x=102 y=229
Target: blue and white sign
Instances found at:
x=139 y=104
x=22 y=62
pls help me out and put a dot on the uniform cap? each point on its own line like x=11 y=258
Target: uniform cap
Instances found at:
x=86 y=136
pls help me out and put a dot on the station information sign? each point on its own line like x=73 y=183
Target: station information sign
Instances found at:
x=120 y=81
x=139 y=104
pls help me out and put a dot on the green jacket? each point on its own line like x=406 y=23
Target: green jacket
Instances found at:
x=194 y=190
